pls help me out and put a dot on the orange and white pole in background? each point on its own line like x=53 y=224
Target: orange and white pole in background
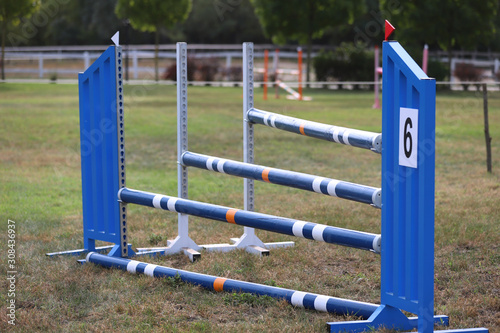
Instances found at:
x=276 y=64
x=266 y=60
x=377 y=71
x=425 y=57
x=299 y=50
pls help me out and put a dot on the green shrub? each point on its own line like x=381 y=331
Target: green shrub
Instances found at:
x=349 y=62
x=438 y=70
x=323 y=65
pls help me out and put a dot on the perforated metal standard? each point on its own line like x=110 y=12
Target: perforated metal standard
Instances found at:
x=248 y=140
x=182 y=239
x=182 y=122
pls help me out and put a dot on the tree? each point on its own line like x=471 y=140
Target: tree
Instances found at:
x=450 y=24
x=11 y=12
x=222 y=22
x=303 y=20
x=152 y=15
x=80 y=23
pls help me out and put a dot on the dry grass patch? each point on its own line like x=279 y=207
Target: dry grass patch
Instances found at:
x=40 y=190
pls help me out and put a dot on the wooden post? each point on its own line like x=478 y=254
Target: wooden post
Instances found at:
x=486 y=128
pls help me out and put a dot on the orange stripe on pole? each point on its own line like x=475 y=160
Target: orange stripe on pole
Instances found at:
x=301 y=128
x=266 y=60
x=276 y=87
x=219 y=284
x=265 y=175
x=230 y=215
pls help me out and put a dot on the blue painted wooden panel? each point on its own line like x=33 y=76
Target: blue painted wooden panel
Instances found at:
x=407 y=193
x=99 y=151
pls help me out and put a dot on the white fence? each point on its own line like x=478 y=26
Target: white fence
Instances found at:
x=67 y=61
x=43 y=61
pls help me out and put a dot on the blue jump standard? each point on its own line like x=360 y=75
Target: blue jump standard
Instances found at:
x=342 y=135
x=332 y=187
x=309 y=230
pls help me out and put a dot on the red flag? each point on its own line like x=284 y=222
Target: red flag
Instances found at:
x=388 y=29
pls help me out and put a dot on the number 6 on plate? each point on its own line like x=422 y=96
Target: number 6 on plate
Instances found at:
x=408 y=137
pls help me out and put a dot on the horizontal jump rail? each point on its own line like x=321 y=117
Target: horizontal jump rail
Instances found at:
x=296 y=298
x=309 y=230
x=342 y=135
x=332 y=187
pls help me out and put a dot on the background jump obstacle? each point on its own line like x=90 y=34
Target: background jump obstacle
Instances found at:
x=294 y=95
x=407 y=194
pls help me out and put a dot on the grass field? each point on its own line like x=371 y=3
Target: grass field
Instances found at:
x=40 y=189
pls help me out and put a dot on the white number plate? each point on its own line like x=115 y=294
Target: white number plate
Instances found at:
x=408 y=137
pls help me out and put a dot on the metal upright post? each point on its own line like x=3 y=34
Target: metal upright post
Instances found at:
x=182 y=134
x=249 y=240
x=182 y=242
x=121 y=154
x=248 y=153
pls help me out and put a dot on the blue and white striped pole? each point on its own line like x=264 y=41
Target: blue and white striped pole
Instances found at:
x=296 y=298
x=309 y=230
x=332 y=187
x=342 y=135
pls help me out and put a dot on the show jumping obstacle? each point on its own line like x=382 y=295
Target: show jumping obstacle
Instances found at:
x=279 y=84
x=406 y=198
